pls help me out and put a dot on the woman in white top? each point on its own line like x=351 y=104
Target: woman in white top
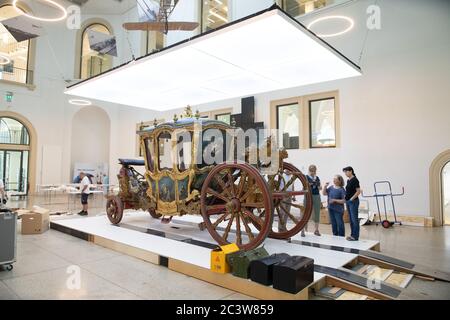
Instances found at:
x=84 y=188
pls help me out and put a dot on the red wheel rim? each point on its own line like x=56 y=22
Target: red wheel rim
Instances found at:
x=114 y=209
x=234 y=194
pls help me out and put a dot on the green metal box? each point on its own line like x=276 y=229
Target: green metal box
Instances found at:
x=240 y=261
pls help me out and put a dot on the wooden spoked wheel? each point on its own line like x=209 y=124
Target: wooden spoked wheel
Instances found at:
x=154 y=214
x=236 y=205
x=114 y=209
x=292 y=202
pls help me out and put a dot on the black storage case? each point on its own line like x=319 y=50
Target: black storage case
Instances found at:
x=261 y=271
x=293 y=274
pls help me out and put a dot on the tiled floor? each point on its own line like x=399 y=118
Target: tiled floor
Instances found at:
x=46 y=263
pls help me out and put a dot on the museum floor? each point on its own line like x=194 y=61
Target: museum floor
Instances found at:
x=43 y=261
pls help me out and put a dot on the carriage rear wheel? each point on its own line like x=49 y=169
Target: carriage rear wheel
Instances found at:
x=291 y=212
x=236 y=205
x=114 y=209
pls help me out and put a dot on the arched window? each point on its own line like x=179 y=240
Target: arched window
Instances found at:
x=14 y=155
x=14 y=56
x=13 y=132
x=92 y=62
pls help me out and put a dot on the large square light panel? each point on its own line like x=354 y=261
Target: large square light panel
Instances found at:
x=264 y=52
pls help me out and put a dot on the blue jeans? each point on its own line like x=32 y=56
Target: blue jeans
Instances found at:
x=352 y=208
x=337 y=222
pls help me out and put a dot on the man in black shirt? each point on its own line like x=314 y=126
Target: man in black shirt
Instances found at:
x=353 y=191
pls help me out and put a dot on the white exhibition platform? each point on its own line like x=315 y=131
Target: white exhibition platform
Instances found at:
x=187 y=228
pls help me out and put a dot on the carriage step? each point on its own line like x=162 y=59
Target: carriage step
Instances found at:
x=165 y=220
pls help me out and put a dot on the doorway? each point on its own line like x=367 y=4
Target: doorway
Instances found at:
x=446 y=193
x=15 y=148
x=14 y=171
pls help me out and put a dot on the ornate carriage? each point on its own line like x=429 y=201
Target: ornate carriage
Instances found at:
x=236 y=201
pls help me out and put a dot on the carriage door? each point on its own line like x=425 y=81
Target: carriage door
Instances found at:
x=150 y=162
x=166 y=186
x=184 y=162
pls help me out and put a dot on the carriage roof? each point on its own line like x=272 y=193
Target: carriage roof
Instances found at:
x=131 y=162
x=185 y=123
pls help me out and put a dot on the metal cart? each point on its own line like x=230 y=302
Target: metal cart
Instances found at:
x=385 y=223
x=8 y=238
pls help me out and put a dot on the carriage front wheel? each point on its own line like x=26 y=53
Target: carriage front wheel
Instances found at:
x=114 y=209
x=236 y=205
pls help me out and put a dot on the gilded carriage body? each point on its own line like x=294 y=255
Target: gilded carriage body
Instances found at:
x=236 y=201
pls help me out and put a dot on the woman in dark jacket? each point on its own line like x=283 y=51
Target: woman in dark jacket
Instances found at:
x=353 y=190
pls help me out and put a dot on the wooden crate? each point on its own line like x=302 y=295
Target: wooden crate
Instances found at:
x=325 y=218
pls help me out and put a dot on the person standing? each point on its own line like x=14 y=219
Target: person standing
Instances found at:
x=4 y=197
x=336 y=200
x=314 y=183
x=84 y=188
x=353 y=190
x=105 y=183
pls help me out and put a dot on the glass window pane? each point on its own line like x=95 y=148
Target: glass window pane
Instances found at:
x=17 y=52
x=165 y=151
x=2 y=169
x=226 y=117
x=184 y=155
x=215 y=14
x=288 y=125
x=13 y=132
x=323 y=124
x=446 y=193
x=150 y=155
x=24 y=173
x=13 y=170
x=299 y=7
x=92 y=62
x=155 y=41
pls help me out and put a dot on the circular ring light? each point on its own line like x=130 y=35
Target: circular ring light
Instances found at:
x=4 y=59
x=80 y=102
x=50 y=2
x=350 y=21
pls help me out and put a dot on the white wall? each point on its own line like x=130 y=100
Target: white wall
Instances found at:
x=395 y=118
x=90 y=136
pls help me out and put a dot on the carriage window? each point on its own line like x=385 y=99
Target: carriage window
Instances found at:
x=165 y=151
x=225 y=117
x=213 y=144
x=184 y=149
x=150 y=154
